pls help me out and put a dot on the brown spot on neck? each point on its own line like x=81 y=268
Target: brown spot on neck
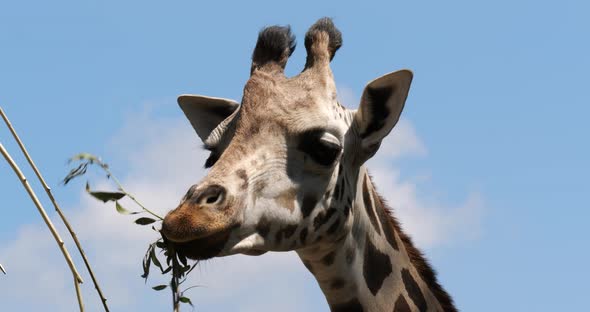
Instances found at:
x=303 y=236
x=414 y=290
x=285 y=232
x=263 y=226
x=328 y=259
x=376 y=267
x=427 y=274
x=401 y=305
x=309 y=203
x=388 y=229
x=323 y=217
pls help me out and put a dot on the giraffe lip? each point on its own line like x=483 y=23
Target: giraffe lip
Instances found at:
x=204 y=247
x=254 y=252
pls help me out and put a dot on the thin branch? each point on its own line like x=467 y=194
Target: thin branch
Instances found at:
x=89 y=159
x=175 y=289
x=2 y=269
x=109 y=174
x=173 y=260
x=57 y=208
x=189 y=288
x=56 y=236
x=79 y=295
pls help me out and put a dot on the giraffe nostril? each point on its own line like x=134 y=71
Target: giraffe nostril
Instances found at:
x=212 y=199
x=212 y=195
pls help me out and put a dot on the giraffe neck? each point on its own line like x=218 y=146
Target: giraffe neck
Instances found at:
x=374 y=266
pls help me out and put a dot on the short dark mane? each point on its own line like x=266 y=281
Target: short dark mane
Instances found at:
x=417 y=258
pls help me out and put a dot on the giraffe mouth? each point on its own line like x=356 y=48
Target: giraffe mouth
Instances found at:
x=254 y=252
x=205 y=247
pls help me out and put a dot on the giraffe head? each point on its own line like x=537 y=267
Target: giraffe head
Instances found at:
x=283 y=162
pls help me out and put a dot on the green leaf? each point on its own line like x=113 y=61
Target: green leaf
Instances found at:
x=84 y=156
x=147 y=261
x=185 y=300
x=144 y=221
x=161 y=245
x=182 y=259
x=159 y=287
x=107 y=196
x=124 y=211
x=155 y=260
x=76 y=172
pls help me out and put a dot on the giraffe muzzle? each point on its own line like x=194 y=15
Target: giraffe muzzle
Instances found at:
x=201 y=225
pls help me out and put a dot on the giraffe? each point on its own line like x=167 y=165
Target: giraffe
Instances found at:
x=287 y=173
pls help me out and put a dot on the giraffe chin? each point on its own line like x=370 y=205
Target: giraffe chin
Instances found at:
x=205 y=247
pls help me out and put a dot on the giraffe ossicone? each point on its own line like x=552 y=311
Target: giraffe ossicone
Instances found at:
x=287 y=173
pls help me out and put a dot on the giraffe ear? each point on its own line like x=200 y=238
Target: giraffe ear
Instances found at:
x=381 y=105
x=205 y=113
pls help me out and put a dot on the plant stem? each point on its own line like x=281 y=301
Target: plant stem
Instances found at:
x=57 y=208
x=189 y=288
x=174 y=283
x=79 y=295
x=56 y=236
x=120 y=186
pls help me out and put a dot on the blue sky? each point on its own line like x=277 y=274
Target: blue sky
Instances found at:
x=497 y=112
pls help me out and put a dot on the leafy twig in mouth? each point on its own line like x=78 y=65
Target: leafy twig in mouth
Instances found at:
x=175 y=263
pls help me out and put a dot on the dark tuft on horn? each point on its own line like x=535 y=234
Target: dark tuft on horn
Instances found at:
x=326 y=25
x=275 y=44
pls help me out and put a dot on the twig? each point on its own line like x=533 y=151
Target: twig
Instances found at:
x=57 y=208
x=120 y=186
x=56 y=236
x=174 y=287
x=79 y=295
x=89 y=159
x=173 y=259
x=2 y=269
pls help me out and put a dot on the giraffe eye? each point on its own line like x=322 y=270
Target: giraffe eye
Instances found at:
x=321 y=146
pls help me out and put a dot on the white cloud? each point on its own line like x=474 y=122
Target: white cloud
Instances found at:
x=163 y=158
x=429 y=222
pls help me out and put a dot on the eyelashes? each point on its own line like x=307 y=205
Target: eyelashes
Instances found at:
x=320 y=146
